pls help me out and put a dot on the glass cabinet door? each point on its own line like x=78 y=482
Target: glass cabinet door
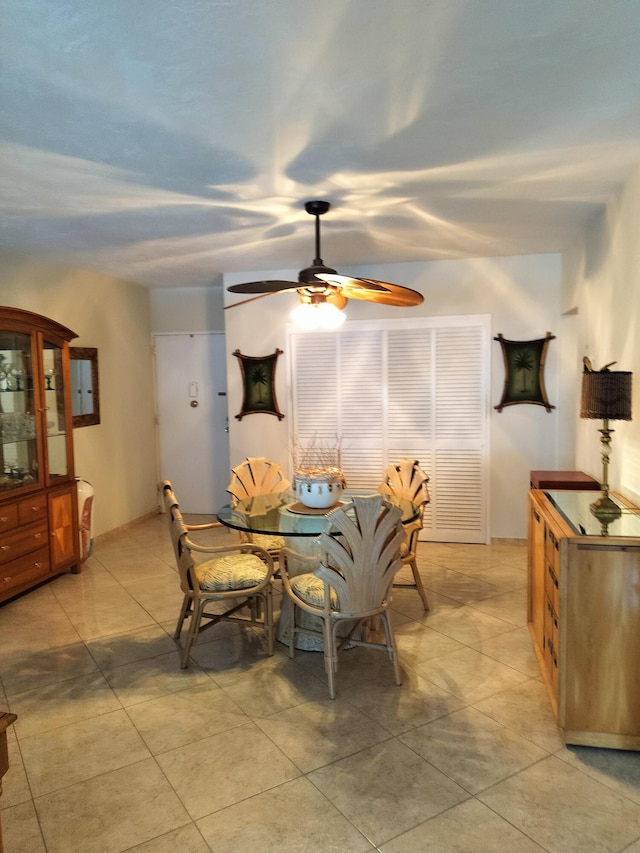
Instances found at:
x=55 y=411
x=19 y=464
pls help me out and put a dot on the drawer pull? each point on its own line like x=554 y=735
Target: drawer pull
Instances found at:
x=4 y=518
x=37 y=535
x=6 y=580
x=4 y=547
x=37 y=564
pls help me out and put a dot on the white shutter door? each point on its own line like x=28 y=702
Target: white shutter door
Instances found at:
x=410 y=390
x=362 y=408
x=458 y=510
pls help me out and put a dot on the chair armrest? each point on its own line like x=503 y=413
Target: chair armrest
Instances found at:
x=208 y=526
x=240 y=547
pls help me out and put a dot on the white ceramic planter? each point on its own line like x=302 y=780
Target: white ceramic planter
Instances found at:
x=318 y=492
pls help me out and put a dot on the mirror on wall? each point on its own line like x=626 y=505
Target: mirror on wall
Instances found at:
x=85 y=392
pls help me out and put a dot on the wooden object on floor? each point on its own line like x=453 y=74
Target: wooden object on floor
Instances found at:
x=584 y=620
x=563 y=480
x=38 y=496
x=6 y=719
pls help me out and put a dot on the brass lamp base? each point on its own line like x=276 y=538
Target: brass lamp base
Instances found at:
x=606 y=511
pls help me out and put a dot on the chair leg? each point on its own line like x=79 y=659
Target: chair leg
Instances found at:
x=268 y=619
x=194 y=627
x=418 y=582
x=184 y=611
x=330 y=655
x=391 y=646
x=292 y=628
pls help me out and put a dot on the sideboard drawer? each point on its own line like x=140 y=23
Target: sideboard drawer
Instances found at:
x=23 y=541
x=25 y=570
x=32 y=509
x=8 y=517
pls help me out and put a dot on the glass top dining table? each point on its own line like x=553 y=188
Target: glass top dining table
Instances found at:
x=282 y=514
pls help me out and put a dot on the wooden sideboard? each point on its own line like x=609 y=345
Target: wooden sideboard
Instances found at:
x=584 y=616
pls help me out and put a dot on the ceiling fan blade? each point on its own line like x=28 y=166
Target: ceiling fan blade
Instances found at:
x=252 y=299
x=350 y=286
x=273 y=286
x=374 y=291
x=402 y=297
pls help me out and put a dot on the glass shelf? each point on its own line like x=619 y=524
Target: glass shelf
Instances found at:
x=575 y=508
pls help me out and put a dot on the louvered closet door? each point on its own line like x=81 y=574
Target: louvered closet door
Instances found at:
x=393 y=390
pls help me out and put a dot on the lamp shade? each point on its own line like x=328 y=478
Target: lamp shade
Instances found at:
x=606 y=395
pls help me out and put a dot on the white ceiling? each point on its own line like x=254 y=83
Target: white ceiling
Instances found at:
x=169 y=142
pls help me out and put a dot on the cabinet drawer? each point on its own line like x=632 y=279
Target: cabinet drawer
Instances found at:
x=32 y=509
x=23 y=541
x=552 y=549
x=24 y=570
x=8 y=517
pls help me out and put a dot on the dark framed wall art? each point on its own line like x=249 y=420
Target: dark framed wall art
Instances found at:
x=524 y=372
x=258 y=383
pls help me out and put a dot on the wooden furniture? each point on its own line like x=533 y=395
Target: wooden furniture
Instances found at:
x=230 y=578
x=254 y=477
x=584 y=616
x=406 y=479
x=563 y=480
x=353 y=582
x=6 y=719
x=38 y=502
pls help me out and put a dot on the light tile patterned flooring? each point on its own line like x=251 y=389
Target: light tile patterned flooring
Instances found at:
x=118 y=749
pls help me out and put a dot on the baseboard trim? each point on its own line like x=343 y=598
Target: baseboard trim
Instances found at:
x=129 y=524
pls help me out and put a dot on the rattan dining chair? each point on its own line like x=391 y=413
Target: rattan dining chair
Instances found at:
x=253 y=478
x=406 y=479
x=359 y=556
x=237 y=576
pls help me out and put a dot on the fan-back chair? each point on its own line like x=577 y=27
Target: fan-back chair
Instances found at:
x=238 y=575
x=406 y=479
x=359 y=556
x=255 y=478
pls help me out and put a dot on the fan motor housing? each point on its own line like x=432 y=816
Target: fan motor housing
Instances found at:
x=308 y=275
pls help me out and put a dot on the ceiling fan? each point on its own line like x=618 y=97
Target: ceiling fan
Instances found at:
x=319 y=284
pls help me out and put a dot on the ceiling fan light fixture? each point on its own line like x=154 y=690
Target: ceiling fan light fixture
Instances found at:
x=317 y=316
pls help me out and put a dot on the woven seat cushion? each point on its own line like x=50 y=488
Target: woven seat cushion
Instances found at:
x=264 y=540
x=311 y=590
x=233 y=571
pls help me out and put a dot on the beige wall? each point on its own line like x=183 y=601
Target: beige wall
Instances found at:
x=118 y=456
x=601 y=282
x=522 y=295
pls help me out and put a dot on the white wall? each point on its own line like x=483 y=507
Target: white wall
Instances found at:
x=522 y=295
x=118 y=456
x=187 y=309
x=601 y=281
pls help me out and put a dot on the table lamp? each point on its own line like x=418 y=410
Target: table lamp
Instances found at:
x=606 y=396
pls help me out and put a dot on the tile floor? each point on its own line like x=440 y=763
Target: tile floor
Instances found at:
x=118 y=749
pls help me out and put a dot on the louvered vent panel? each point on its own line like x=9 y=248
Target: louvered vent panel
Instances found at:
x=361 y=410
x=459 y=384
x=316 y=400
x=459 y=502
x=409 y=386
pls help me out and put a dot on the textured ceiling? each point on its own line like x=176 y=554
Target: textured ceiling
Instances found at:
x=169 y=142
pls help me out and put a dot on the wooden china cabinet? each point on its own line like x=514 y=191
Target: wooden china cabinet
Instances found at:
x=38 y=502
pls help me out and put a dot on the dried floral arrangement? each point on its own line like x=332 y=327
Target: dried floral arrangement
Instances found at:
x=318 y=460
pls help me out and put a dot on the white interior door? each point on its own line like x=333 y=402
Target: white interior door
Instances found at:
x=191 y=387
